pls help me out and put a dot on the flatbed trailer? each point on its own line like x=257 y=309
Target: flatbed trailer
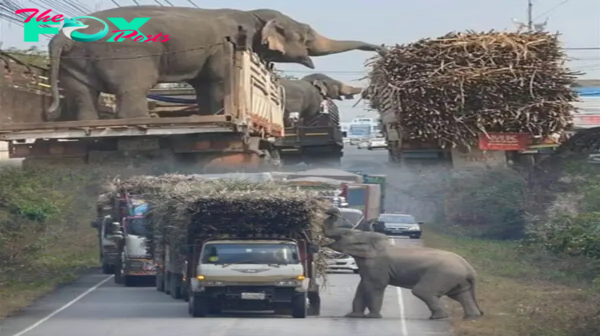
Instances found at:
x=241 y=136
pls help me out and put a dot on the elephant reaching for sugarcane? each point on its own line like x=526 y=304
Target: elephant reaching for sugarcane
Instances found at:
x=305 y=95
x=196 y=53
x=429 y=273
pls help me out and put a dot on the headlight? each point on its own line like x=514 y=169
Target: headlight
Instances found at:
x=414 y=228
x=289 y=283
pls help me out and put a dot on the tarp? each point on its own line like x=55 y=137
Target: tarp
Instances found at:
x=587 y=91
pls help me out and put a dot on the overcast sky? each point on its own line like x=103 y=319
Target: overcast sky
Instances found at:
x=389 y=22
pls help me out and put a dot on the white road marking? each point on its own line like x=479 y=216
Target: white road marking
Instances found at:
x=67 y=305
x=403 y=327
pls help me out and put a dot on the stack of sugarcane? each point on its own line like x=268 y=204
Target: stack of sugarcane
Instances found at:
x=453 y=88
x=191 y=206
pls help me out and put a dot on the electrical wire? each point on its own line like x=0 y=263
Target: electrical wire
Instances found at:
x=551 y=9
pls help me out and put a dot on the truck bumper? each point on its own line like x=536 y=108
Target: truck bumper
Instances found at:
x=249 y=297
x=140 y=267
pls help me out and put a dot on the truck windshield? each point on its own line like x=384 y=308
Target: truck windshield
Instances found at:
x=352 y=219
x=220 y=254
x=136 y=226
x=360 y=130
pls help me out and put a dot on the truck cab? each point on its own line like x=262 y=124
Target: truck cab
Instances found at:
x=251 y=274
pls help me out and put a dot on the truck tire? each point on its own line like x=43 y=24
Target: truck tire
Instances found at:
x=175 y=287
x=167 y=283
x=118 y=274
x=314 y=304
x=129 y=281
x=198 y=306
x=299 y=306
x=108 y=268
x=160 y=282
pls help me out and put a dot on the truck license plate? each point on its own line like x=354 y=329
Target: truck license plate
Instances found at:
x=253 y=296
x=137 y=144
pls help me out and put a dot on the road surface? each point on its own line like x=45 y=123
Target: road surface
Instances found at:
x=95 y=306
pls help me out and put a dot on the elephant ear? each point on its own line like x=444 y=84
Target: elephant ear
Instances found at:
x=273 y=36
x=361 y=244
x=321 y=87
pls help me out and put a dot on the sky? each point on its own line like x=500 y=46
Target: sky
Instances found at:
x=397 y=21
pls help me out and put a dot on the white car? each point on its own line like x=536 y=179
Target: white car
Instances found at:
x=363 y=144
x=377 y=143
x=337 y=261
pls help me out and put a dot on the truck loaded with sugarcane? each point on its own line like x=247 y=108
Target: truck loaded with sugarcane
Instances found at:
x=467 y=99
x=255 y=246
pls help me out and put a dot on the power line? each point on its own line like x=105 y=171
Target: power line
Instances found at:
x=551 y=9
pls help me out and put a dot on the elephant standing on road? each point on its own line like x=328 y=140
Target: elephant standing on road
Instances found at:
x=429 y=273
x=306 y=95
x=196 y=52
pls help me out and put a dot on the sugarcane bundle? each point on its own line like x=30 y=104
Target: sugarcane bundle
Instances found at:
x=185 y=208
x=453 y=88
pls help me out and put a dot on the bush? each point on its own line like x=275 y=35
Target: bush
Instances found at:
x=44 y=230
x=489 y=204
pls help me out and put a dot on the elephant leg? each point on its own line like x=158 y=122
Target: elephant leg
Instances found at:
x=81 y=100
x=467 y=301
x=430 y=296
x=374 y=294
x=202 y=88
x=131 y=83
x=359 y=303
x=218 y=71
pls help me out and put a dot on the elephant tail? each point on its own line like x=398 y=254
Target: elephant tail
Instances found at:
x=473 y=290
x=56 y=47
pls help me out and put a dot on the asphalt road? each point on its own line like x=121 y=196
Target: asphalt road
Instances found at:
x=95 y=306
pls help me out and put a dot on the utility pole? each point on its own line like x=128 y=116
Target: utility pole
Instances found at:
x=530 y=15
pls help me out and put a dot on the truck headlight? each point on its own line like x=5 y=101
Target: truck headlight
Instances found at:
x=288 y=283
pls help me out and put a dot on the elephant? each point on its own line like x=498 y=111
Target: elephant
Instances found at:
x=429 y=273
x=188 y=45
x=305 y=95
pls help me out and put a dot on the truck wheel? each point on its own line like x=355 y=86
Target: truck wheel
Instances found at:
x=129 y=281
x=167 y=284
x=198 y=306
x=160 y=282
x=185 y=292
x=299 y=306
x=118 y=274
x=108 y=268
x=175 y=287
x=314 y=304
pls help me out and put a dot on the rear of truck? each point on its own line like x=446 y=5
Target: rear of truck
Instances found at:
x=239 y=137
x=319 y=140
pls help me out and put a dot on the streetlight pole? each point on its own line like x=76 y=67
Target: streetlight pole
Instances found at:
x=530 y=15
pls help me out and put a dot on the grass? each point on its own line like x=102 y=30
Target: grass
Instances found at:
x=521 y=293
x=60 y=262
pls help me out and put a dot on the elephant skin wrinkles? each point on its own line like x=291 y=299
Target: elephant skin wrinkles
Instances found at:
x=196 y=53
x=429 y=273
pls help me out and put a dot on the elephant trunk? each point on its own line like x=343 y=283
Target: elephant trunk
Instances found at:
x=347 y=90
x=56 y=46
x=323 y=46
x=329 y=228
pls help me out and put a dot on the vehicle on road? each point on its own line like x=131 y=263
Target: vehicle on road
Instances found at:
x=376 y=143
x=363 y=144
x=398 y=224
x=337 y=261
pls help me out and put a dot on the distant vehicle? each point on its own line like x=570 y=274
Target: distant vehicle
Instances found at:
x=358 y=132
x=363 y=144
x=337 y=261
x=376 y=143
x=398 y=224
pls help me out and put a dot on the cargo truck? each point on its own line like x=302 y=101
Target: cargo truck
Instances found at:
x=316 y=140
x=122 y=218
x=240 y=137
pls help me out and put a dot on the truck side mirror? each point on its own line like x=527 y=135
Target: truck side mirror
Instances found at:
x=95 y=224
x=312 y=248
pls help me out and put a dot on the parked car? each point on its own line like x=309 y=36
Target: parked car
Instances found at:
x=398 y=224
x=376 y=143
x=337 y=261
x=363 y=144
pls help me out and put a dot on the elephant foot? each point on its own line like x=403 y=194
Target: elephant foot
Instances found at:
x=438 y=316
x=471 y=317
x=355 y=315
x=373 y=315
